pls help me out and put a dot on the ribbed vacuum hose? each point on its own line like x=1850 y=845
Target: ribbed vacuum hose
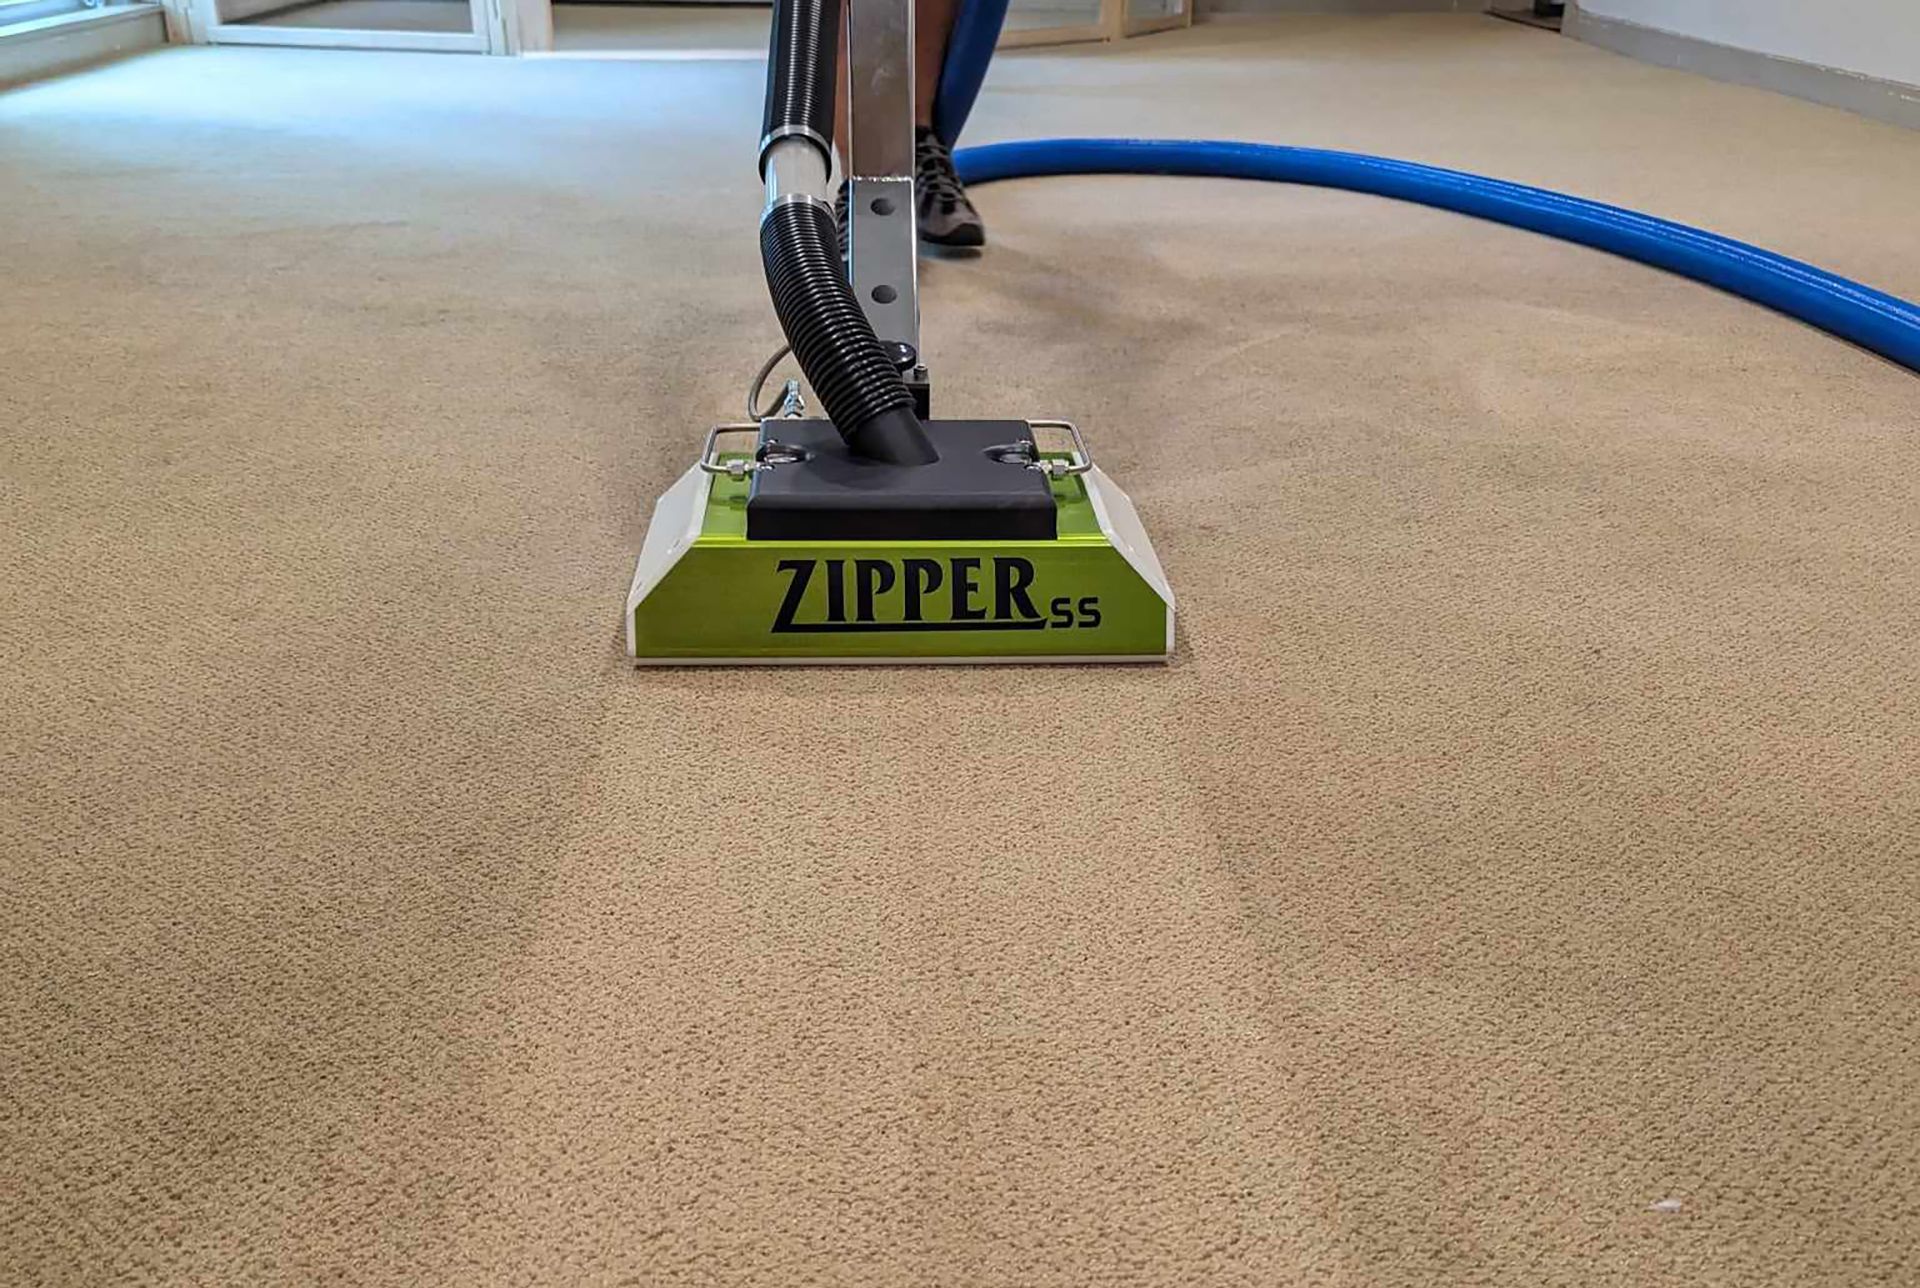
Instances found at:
x=970 y=46
x=831 y=338
x=800 y=62
x=1884 y=323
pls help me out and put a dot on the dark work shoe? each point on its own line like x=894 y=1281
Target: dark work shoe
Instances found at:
x=947 y=218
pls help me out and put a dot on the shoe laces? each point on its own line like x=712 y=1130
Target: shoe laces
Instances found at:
x=935 y=173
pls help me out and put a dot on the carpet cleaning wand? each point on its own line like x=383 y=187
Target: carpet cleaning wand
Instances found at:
x=878 y=534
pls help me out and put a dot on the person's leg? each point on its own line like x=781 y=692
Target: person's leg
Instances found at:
x=932 y=24
x=946 y=216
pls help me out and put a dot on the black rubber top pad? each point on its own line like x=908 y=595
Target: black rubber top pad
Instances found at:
x=964 y=496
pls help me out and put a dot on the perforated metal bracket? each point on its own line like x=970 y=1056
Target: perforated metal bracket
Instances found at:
x=882 y=235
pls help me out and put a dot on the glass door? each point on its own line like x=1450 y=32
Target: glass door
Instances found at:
x=1058 y=22
x=1144 y=16
x=451 y=26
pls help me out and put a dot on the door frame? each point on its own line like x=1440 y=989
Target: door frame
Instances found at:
x=496 y=30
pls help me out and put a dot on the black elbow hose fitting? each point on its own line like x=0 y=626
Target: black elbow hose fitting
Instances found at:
x=832 y=339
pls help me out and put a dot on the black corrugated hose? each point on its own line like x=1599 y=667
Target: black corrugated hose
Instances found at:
x=801 y=55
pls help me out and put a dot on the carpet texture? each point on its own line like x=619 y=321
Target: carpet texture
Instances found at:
x=1514 y=879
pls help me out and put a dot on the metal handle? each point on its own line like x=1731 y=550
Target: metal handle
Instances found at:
x=1083 y=458
x=710 y=462
x=767 y=456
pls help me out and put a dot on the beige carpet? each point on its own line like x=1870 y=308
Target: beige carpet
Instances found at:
x=1526 y=834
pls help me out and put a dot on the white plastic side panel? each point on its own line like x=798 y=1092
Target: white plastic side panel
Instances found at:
x=675 y=524
x=1121 y=526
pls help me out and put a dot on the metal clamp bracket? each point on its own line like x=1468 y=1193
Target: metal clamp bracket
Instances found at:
x=766 y=456
x=1082 y=457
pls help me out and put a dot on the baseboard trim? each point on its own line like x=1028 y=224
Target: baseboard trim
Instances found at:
x=49 y=46
x=1882 y=100
x=1244 y=7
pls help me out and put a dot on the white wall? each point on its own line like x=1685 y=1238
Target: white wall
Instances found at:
x=104 y=33
x=1879 y=38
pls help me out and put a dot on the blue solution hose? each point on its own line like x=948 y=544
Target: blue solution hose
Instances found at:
x=1884 y=323
x=976 y=30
